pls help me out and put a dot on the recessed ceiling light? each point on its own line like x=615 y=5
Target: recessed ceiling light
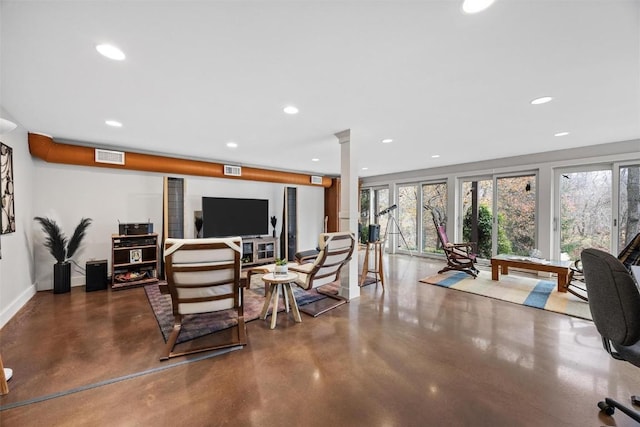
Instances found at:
x=315 y=159
x=435 y=156
x=232 y=144
x=365 y=169
x=290 y=109
x=541 y=100
x=561 y=134
x=114 y=123
x=475 y=6
x=387 y=141
x=110 y=52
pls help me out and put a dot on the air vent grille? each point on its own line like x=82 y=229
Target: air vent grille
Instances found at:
x=316 y=179
x=232 y=170
x=108 y=156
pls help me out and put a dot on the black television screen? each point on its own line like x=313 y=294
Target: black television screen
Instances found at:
x=224 y=217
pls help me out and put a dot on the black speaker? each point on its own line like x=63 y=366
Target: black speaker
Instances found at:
x=289 y=234
x=96 y=275
x=374 y=233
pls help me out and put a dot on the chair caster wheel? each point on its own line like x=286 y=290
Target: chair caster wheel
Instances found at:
x=606 y=408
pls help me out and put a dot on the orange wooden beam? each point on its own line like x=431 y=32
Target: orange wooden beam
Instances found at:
x=45 y=148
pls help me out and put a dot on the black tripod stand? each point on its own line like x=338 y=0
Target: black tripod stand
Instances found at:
x=391 y=222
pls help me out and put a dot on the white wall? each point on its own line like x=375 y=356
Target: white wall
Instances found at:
x=310 y=202
x=67 y=193
x=17 y=271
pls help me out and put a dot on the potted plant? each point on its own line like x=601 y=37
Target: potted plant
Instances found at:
x=281 y=266
x=62 y=250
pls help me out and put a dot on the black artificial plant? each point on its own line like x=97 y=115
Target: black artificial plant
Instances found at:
x=58 y=244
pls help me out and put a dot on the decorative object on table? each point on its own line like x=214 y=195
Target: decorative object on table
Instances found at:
x=521 y=290
x=274 y=221
x=281 y=267
x=7 y=212
x=62 y=249
x=135 y=255
x=535 y=253
x=198 y=222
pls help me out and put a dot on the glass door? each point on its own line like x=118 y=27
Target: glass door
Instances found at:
x=516 y=219
x=365 y=215
x=629 y=205
x=406 y=229
x=477 y=213
x=434 y=201
x=584 y=210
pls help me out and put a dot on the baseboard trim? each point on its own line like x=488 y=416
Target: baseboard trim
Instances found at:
x=16 y=305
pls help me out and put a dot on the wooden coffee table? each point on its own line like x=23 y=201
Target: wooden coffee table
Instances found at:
x=501 y=263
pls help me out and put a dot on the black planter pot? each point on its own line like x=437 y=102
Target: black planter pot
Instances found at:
x=61 y=277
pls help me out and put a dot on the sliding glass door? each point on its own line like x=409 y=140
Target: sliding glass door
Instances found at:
x=434 y=202
x=406 y=231
x=585 y=210
x=372 y=202
x=629 y=204
x=477 y=214
x=516 y=219
x=499 y=214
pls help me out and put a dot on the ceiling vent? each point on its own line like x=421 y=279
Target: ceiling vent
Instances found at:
x=232 y=170
x=108 y=156
x=316 y=179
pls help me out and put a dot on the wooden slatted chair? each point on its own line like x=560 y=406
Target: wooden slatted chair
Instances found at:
x=203 y=276
x=460 y=256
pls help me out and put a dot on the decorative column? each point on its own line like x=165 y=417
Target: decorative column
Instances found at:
x=349 y=209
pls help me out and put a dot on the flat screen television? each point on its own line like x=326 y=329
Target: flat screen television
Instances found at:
x=224 y=217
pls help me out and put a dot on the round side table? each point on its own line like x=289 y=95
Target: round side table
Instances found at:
x=277 y=283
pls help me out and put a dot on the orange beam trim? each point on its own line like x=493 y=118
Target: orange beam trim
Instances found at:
x=45 y=148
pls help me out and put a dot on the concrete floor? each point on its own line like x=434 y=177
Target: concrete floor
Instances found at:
x=413 y=355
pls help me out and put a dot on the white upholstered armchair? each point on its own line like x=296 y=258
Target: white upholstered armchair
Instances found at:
x=203 y=276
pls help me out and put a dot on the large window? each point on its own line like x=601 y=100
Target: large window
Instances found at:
x=516 y=205
x=585 y=210
x=629 y=212
x=499 y=214
x=434 y=201
x=372 y=202
x=365 y=214
x=407 y=234
x=477 y=211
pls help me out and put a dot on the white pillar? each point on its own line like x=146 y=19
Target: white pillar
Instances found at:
x=349 y=209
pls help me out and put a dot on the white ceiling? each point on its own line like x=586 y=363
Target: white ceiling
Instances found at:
x=437 y=81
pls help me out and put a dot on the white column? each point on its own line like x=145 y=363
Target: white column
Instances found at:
x=349 y=209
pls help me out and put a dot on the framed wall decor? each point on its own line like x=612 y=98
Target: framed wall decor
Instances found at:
x=7 y=212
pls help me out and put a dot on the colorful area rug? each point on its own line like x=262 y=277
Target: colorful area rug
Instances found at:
x=195 y=326
x=531 y=292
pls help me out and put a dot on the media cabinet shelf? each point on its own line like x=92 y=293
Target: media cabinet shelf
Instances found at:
x=260 y=250
x=134 y=255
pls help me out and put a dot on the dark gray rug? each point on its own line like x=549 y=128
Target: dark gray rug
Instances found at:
x=194 y=326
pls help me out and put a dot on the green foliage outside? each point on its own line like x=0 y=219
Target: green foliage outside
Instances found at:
x=485 y=219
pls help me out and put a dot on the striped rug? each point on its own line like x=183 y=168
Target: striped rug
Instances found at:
x=527 y=291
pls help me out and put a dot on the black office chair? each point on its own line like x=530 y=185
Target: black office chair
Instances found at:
x=614 y=302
